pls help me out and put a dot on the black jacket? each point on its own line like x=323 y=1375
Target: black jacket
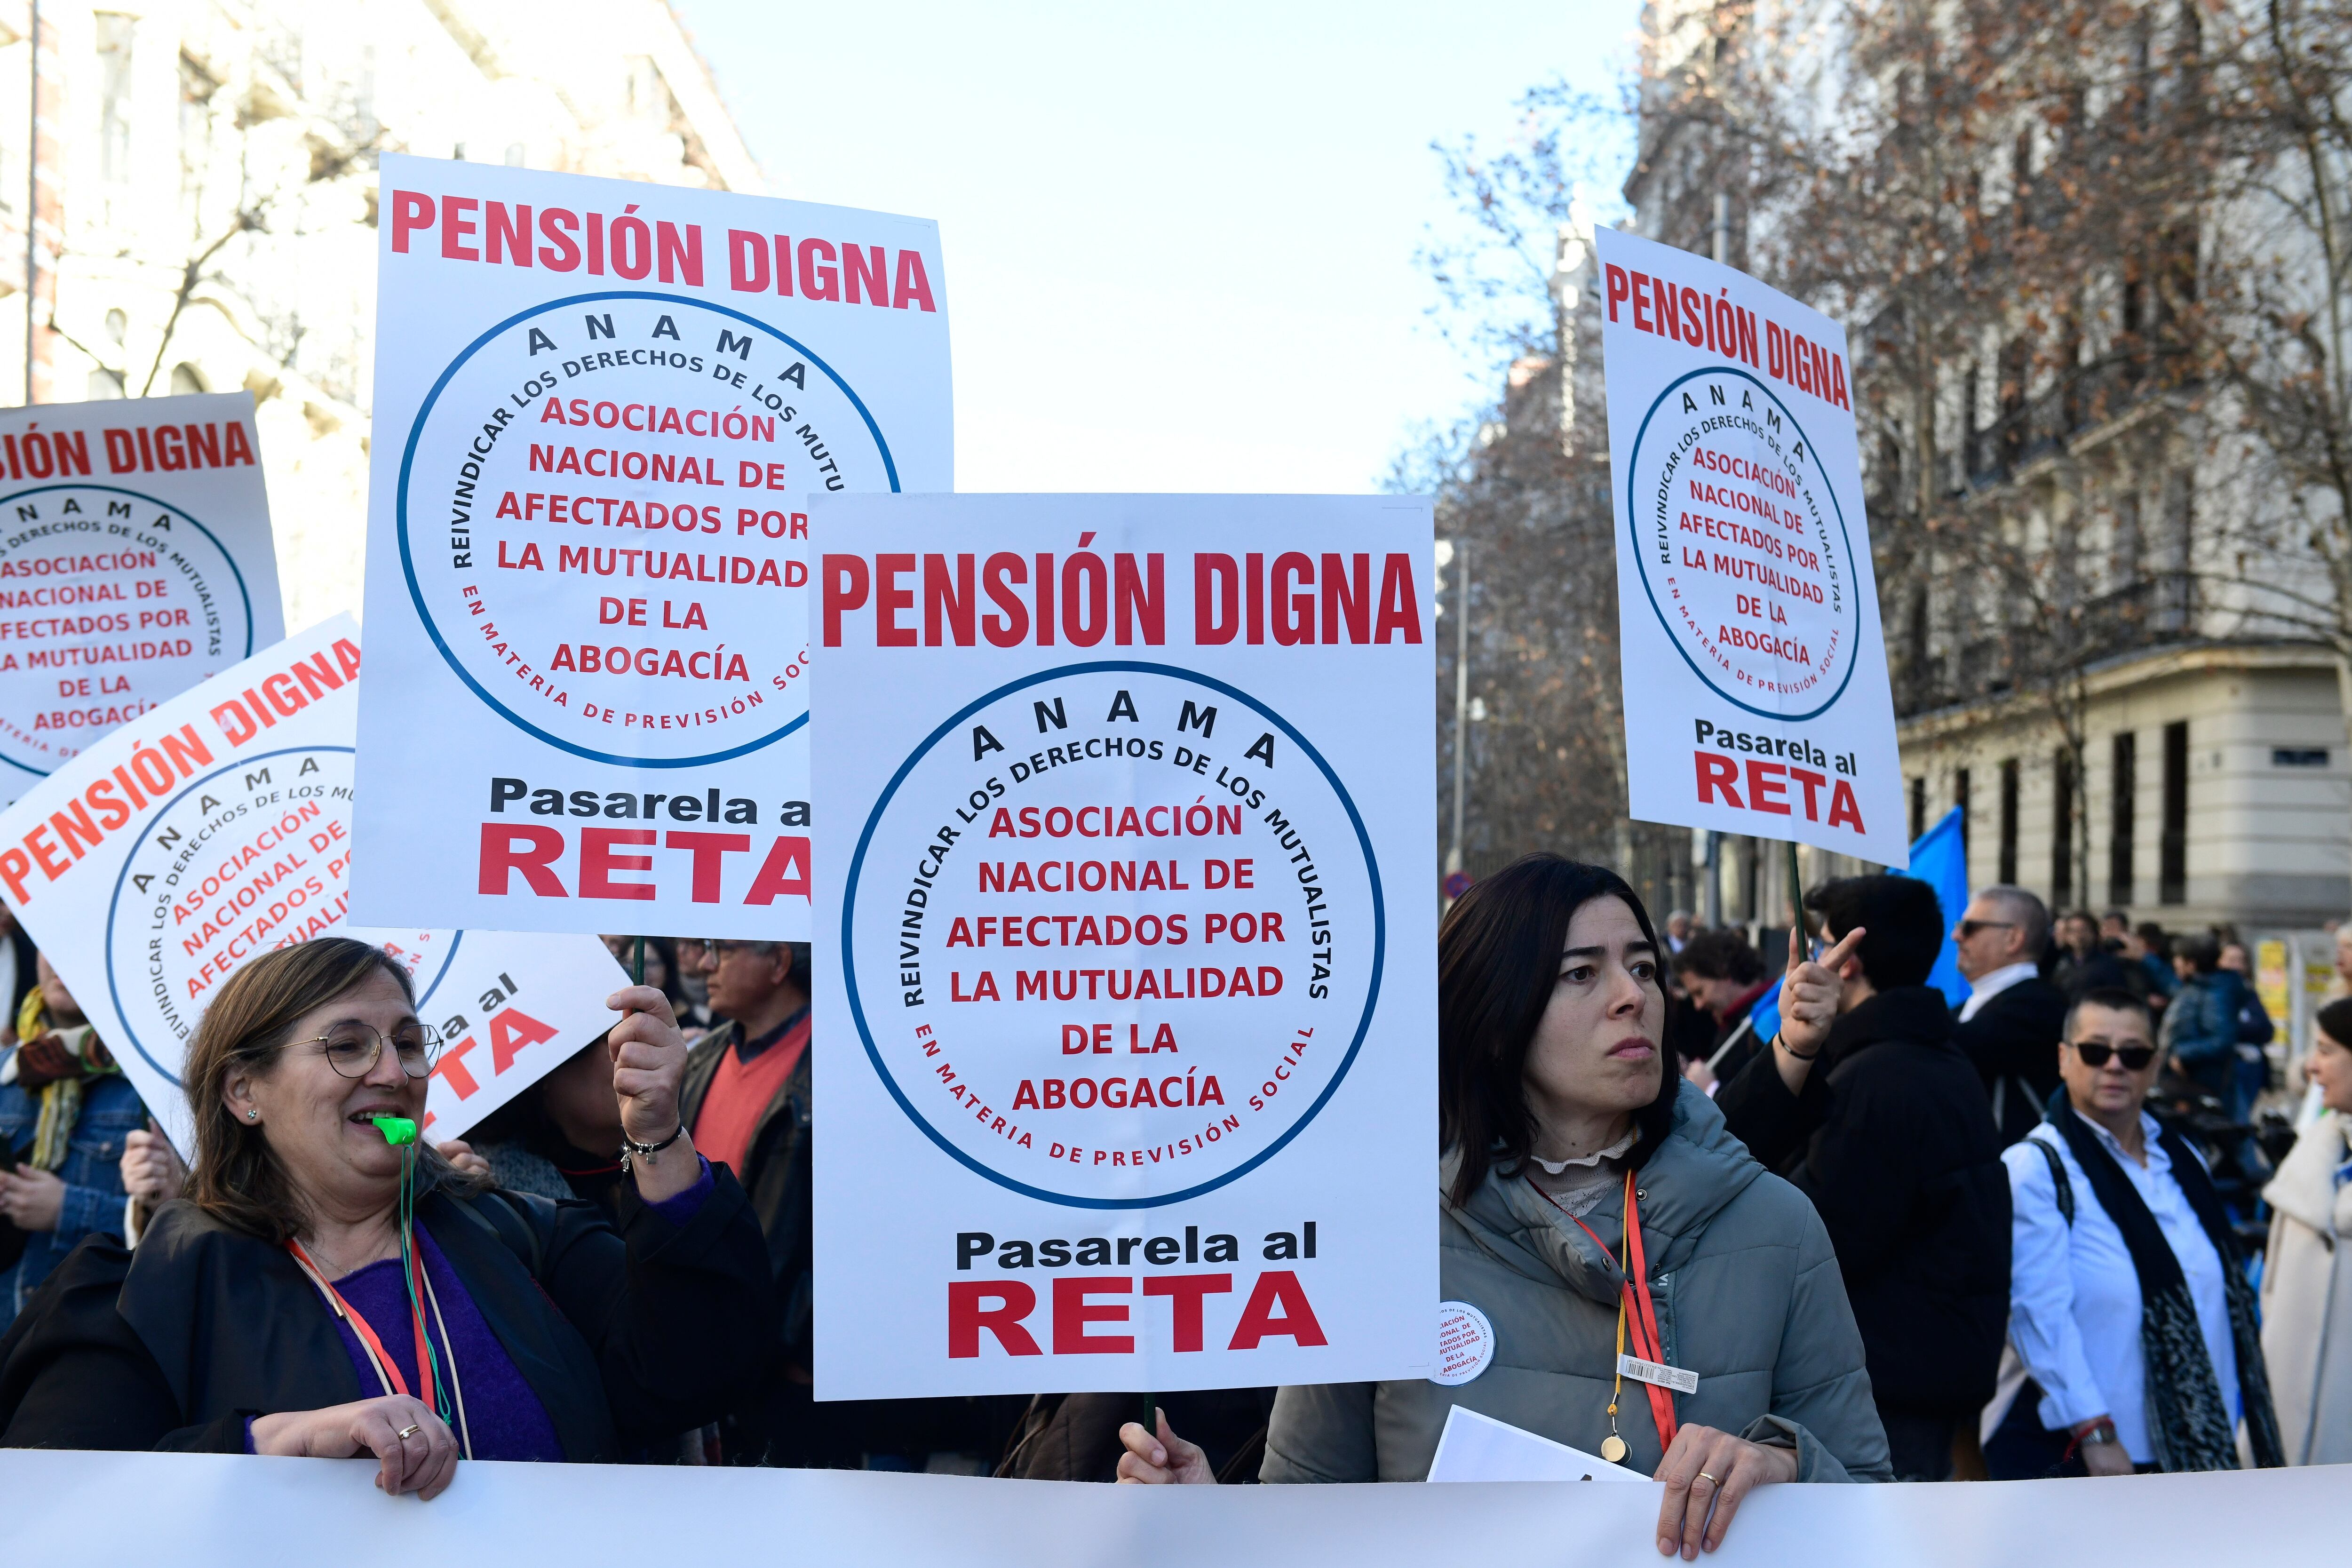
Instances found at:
x=626 y=1336
x=775 y=1420
x=1893 y=1141
x=2013 y=1041
x=776 y=1174
x=2098 y=969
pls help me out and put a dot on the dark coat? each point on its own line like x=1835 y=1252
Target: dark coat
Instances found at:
x=2013 y=1041
x=774 y=1418
x=626 y=1336
x=1894 y=1141
x=777 y=1176
x=2098 y=969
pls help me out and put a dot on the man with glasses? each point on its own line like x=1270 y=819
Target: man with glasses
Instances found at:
x=2129 y=1306
x=745 y=1099
x=2010 y=1025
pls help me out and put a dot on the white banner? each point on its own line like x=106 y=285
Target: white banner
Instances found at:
x=1134 y=963
x=1755 y=669
x=217 y=826
x=600 y=407
x=135 y=561
x=208 y=1511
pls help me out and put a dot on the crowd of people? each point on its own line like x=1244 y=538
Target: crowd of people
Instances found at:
x=2047 y=1201
x=1893 y=1237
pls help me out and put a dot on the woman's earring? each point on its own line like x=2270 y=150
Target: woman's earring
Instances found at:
x=253 y=1116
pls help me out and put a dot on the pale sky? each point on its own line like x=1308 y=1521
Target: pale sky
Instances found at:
x=1179 y=240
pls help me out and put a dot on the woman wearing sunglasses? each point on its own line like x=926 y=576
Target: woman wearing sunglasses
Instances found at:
x=2129 y=1304
x=330 y=1288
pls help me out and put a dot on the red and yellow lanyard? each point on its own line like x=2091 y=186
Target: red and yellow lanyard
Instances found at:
x=1634 y=1305
x=387 y=1369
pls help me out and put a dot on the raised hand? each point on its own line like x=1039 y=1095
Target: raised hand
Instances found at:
x=152 y=1170
x=1163 y=1461
x=1810 y=992
x=648 y=1065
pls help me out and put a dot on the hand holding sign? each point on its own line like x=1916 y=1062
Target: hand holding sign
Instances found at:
x=649 y=1064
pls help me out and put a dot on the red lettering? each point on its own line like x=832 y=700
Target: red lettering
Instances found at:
x=506 y=848
x=709 y=850
x=1715 y=774
x=1185 y=1292
x=1843 y=807
x=845 y=585
x=1073 y=1312
x=511 y=1031
x=597 y=862
x=411 y=210
x=967 y=1316
x=1276 y=1287
x=784 y=873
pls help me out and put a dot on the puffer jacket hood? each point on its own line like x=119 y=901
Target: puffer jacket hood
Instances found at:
x=1698 y=1172
x=1747 y=1296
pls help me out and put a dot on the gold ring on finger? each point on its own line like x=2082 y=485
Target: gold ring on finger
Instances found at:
x=1704 y=1476
x=411 y=1430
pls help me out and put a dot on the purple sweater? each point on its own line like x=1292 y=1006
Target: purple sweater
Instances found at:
x=504 y=1416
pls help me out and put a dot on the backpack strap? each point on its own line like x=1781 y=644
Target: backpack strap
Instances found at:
x=2066 y=1188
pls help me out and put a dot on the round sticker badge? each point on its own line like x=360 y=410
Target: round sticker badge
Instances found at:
x=1465 y=1344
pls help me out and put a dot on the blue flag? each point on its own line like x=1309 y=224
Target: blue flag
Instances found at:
x=1938 y=859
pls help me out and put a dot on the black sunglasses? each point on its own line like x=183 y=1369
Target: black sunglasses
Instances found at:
x=1971 y=928
x=2094 y=1054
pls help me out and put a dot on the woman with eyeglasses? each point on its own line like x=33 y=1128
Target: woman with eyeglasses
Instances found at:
x=330 y=1288
x=2129 y=1304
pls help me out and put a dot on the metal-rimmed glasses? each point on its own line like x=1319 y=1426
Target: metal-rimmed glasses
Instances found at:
x=353 y=1050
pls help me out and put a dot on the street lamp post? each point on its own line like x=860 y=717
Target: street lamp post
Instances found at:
x=1461 y=698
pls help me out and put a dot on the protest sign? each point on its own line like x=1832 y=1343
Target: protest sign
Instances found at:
x=200 y=1511
x=600 y=404
x=135 y=561
x=1755 y=671
x=1124 y=987
x=217 y=826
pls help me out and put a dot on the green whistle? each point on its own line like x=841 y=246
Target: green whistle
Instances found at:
x=397 y=1129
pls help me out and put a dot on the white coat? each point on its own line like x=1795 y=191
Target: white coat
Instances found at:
x=2307 y=1297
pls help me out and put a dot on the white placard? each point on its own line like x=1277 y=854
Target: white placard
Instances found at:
x=1755 y=669
x=1474 y=1447
x=216 y=827
x=135 y=561
x=1130 y=1035
x=599 y=406
x=197 y=1510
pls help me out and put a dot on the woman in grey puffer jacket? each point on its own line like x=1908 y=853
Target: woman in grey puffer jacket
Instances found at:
x=1556 y=1099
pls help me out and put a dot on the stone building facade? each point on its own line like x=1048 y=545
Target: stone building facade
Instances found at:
x=201 y=179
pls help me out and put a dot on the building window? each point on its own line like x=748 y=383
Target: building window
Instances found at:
x=1961 y=799
x=2172 y=873
x=2122 y=767
x=2008 y=867
x=1919 y=807
x=113 y=97
x=2061 y=829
